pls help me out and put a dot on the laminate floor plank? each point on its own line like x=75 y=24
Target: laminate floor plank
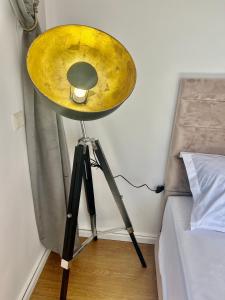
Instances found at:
x=105 y=270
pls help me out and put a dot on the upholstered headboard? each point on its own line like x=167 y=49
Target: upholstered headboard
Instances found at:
x=199 y=126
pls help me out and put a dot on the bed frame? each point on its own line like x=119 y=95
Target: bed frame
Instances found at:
x=199 y=126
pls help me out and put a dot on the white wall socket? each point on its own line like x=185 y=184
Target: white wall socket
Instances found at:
x=18 y=120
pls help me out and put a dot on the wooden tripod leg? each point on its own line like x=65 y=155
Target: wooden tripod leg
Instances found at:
x=118 y=198
x=89 y=191
x=72 y=215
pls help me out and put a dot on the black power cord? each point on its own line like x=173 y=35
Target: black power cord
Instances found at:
x=157 y=190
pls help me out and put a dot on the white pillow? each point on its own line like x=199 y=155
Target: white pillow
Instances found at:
x=206 y=174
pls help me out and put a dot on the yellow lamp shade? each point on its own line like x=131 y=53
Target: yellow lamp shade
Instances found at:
x=53 y=53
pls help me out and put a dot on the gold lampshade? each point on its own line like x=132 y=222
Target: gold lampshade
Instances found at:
x=53 y=53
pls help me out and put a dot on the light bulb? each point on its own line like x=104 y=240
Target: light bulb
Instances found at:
x=82 y=77
x=78 y=95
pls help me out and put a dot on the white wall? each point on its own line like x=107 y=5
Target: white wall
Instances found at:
x=165 y=38
x=20 y=249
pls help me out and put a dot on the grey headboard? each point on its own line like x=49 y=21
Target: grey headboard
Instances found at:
x=199 y=126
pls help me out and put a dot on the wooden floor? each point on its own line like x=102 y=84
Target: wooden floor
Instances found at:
x=105 y=270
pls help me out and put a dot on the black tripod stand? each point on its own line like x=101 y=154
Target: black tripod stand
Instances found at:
x=82 y=171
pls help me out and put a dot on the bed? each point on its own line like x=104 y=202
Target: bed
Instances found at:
x=191 y=264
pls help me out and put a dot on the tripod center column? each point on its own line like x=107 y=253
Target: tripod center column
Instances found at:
x=83 y=128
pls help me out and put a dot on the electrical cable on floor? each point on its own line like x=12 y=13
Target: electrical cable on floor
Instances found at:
x=158 y=189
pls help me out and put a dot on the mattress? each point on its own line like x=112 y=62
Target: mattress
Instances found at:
x=191 y=263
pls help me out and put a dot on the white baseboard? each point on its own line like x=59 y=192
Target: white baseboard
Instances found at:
x=122 y=235
x=34 y=276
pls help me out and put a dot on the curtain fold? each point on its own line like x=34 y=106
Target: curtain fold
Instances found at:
x=46 y=146
x=25 y=11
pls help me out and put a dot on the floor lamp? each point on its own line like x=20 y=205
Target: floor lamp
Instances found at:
x=84 y=74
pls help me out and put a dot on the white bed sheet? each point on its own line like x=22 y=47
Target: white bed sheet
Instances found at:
x=192 y=263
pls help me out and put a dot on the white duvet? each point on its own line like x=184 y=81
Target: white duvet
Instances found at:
x=192 y=263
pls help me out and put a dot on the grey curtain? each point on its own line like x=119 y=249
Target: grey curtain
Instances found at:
x=46 y=144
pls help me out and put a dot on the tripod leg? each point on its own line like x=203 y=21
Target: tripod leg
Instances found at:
x=89 y=191
x=64 y=286
x=72 y=215
x=118 y=198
